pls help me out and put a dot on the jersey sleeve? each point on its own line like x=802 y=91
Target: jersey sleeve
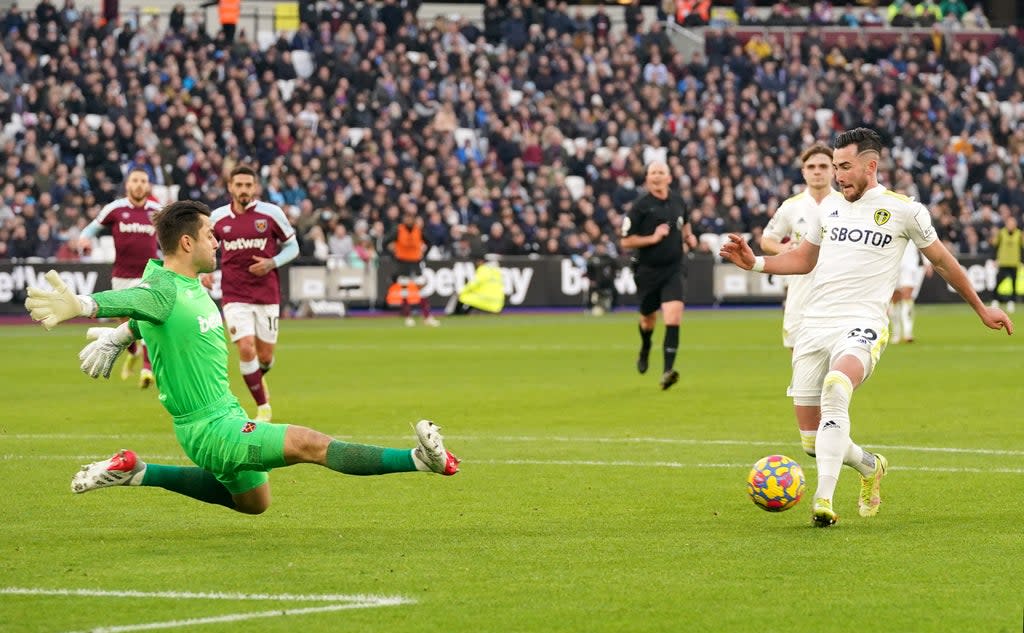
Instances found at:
x=150 y=301
x=631 y=223
x=779 y=226
x=919 y=228
x=106 y=217
x=815 y=230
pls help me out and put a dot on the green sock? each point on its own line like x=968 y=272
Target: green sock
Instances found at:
x=189 y=481
x=362 y=459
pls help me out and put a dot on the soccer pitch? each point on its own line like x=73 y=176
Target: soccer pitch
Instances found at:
x=588 y=500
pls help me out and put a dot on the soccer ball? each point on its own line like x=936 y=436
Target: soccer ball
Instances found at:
x=775 y=483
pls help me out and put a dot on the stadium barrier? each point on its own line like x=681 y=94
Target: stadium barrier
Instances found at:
x=329 y=290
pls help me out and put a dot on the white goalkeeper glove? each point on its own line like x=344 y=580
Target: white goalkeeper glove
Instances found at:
x=98 y=357
x=57 y=305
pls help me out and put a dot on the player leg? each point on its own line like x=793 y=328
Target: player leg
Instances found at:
x=132 y=358
x=267 y=324
x=241 y=321
x=1011 y=305
x=895 y=320
x=906 y=319
x=810 y=365
x=418 y=280
x=1002 y=274
x=854 y=356
x=673 y=292
x=672 y=311
x=125 y=468
x=146 y=377
x=650 y=301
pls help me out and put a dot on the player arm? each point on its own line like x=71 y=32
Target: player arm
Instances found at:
x=151 y=301
x=689 y=239
x=289 y=251
x=89 y=233
x=799 y=261
x=949 y=268
x=771 y=245
x=778 y=227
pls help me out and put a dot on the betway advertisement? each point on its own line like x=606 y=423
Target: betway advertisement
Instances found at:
x=540 y=282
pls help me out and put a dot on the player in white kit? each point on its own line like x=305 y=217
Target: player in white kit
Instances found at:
x=791 y=221
x=901 y=309
x=857 y=249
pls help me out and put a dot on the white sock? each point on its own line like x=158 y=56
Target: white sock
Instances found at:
x=833 y=432
x=807 y=439
x=907 y=317
x=860 y=460
x=420 y=465
x=249 y=366
x=894 y=323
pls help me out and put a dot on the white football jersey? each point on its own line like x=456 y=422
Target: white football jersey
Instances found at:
x=862 y=245
x=792 y=219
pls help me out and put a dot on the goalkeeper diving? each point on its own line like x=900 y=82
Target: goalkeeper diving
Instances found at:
x=185 y=334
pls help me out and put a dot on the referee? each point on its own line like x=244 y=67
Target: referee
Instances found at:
x=656 y=227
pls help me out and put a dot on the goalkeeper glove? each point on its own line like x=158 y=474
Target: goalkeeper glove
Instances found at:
x=98 y=357
x=57 y=305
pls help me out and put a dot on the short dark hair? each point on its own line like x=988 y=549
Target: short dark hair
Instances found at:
x=134 y=169
x=814 y=150
x=242 y=170
x=177 y=219
x=865 y=139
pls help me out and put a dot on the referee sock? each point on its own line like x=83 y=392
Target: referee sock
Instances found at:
x=363 y=459
x=670 y=346
x=645 y=340
x=189 y=481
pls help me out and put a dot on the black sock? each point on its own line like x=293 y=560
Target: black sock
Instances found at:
x=671 y=344
x=645 y=340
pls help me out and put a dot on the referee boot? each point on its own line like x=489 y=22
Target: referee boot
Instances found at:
x=641 y=361
x=669 y=378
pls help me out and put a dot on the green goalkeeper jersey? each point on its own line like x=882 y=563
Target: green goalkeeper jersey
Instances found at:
x=184 y=332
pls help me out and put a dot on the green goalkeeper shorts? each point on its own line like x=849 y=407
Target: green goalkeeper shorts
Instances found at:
x=238 y=451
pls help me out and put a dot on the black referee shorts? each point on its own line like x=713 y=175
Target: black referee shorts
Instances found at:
x=656 y=285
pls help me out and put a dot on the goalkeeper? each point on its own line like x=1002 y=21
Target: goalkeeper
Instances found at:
x=183 y=329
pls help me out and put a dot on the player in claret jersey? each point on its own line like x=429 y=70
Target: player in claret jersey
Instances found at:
x=256 y=239
x=129 y=221
x=190 y=356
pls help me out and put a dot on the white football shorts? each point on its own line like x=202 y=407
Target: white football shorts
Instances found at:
x=251 y=319
x=817 y=347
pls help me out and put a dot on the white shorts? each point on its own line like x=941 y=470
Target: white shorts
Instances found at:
x=790 y=325
x=120 y=283
x=818 y=347
x=250 y=319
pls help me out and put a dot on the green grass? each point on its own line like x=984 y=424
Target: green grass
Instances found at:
x=589 y=500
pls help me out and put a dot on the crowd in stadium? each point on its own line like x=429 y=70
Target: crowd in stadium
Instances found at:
x=525 y=133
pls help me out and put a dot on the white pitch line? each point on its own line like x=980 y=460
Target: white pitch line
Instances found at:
x=636 y=464
x=553 y=438
x=739 y=442
x=230 y=617
x=568 y=462
x=192 y=595
x=342 y=602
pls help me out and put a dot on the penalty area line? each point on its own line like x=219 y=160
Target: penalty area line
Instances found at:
x=341 y=602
